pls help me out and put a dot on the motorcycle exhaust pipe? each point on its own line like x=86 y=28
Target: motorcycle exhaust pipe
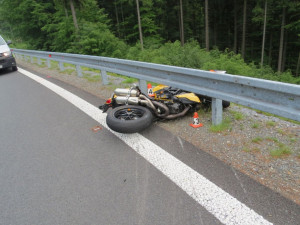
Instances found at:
x=121 y=100
x=174 y=116
x=162 y=106
x=151 y=104
x=127 y=92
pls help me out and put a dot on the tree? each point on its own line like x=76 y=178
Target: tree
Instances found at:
x=140 y=25
x=244 y=29
x=74 y=15
x=206 y=26
x=264 y=35
x=235 y=28
x=280 y=55
x=72 y=6
x=298 y=65
x=181 y=24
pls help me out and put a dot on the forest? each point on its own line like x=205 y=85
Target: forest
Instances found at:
x=257 y=38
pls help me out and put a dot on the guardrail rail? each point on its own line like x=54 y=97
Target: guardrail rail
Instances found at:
x=278 y=98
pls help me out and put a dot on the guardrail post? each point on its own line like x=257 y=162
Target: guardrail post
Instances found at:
x=217 y=110
x=48 y=63
x=31 y=59
x=61 y=66
x=79 y=71
x=104 y=77
x=39 y=61
x=143 y=86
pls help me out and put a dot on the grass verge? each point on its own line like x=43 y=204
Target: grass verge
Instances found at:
x=281 y=151
x=225 y=125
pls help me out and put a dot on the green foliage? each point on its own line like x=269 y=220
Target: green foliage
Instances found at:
x=109 y=28
x=281 y=151
x=257 y=140
x=130 y=80
x=225 y=125
x=237 y=115
x=270 y=123
x=192 y=56
x=95 y=39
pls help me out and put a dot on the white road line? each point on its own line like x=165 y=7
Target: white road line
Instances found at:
x=215 y=200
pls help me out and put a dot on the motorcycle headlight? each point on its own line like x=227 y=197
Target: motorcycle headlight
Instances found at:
x=7 y=53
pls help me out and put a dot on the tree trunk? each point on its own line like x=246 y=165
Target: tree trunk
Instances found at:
x=206 y=26
x=264 y=36
x=235 y=28
x=215 y=33
x=123 y=27
x=298 y=65
x=181 y=24
x=140 y=26
x=284 y=53
x=270 y=50
x=66 y=12
x=244 y=29
x=117 y=17
x=74 y=15
x=252 y=50
x=279 y=68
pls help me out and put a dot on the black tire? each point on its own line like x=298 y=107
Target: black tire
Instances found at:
x=225 y=104
x=14 y=68
x=206 y=102
x=129 y=118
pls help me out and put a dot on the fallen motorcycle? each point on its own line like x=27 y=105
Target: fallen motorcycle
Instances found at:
x=132 y=111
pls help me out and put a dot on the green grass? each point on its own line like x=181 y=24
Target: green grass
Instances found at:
x=293 y=140
x=270 y=123
x=69 y=65
x=257 y=140
x=237 y=115
x=280 y=117
x=255 y=125
x=54 y=65
x=42 y=65
x=116 y=75
x=241 y=127
x=280 y=131
x=281 y=151
x=90 y=69
x=68 y=71
x=247 y=149
x=272 y=139
x=130 y=80
x=92 y=78
x=225 y=125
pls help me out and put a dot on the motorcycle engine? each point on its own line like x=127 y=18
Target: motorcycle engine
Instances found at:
x=175 y=107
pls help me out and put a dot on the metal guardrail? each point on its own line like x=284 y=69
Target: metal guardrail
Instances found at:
x=269 y=96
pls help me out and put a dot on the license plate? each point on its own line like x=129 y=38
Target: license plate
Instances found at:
x=1 y=66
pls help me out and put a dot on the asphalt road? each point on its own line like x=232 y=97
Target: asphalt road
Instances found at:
x=55 y=170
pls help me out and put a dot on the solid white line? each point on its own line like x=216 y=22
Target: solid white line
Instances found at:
x=215 y=200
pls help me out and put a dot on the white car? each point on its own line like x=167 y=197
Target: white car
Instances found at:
x=6 y=58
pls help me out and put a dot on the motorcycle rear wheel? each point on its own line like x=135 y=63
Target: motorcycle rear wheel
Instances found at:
x=129 y=118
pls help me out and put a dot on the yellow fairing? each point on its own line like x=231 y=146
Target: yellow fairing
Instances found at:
x=159 y=87
x=189 y=96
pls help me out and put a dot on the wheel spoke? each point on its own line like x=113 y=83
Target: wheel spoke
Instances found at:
x=129 y=114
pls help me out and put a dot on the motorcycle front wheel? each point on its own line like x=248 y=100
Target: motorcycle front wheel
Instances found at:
x=129 y=118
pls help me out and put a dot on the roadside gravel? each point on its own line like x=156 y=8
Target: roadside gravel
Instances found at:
x=245 y=144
